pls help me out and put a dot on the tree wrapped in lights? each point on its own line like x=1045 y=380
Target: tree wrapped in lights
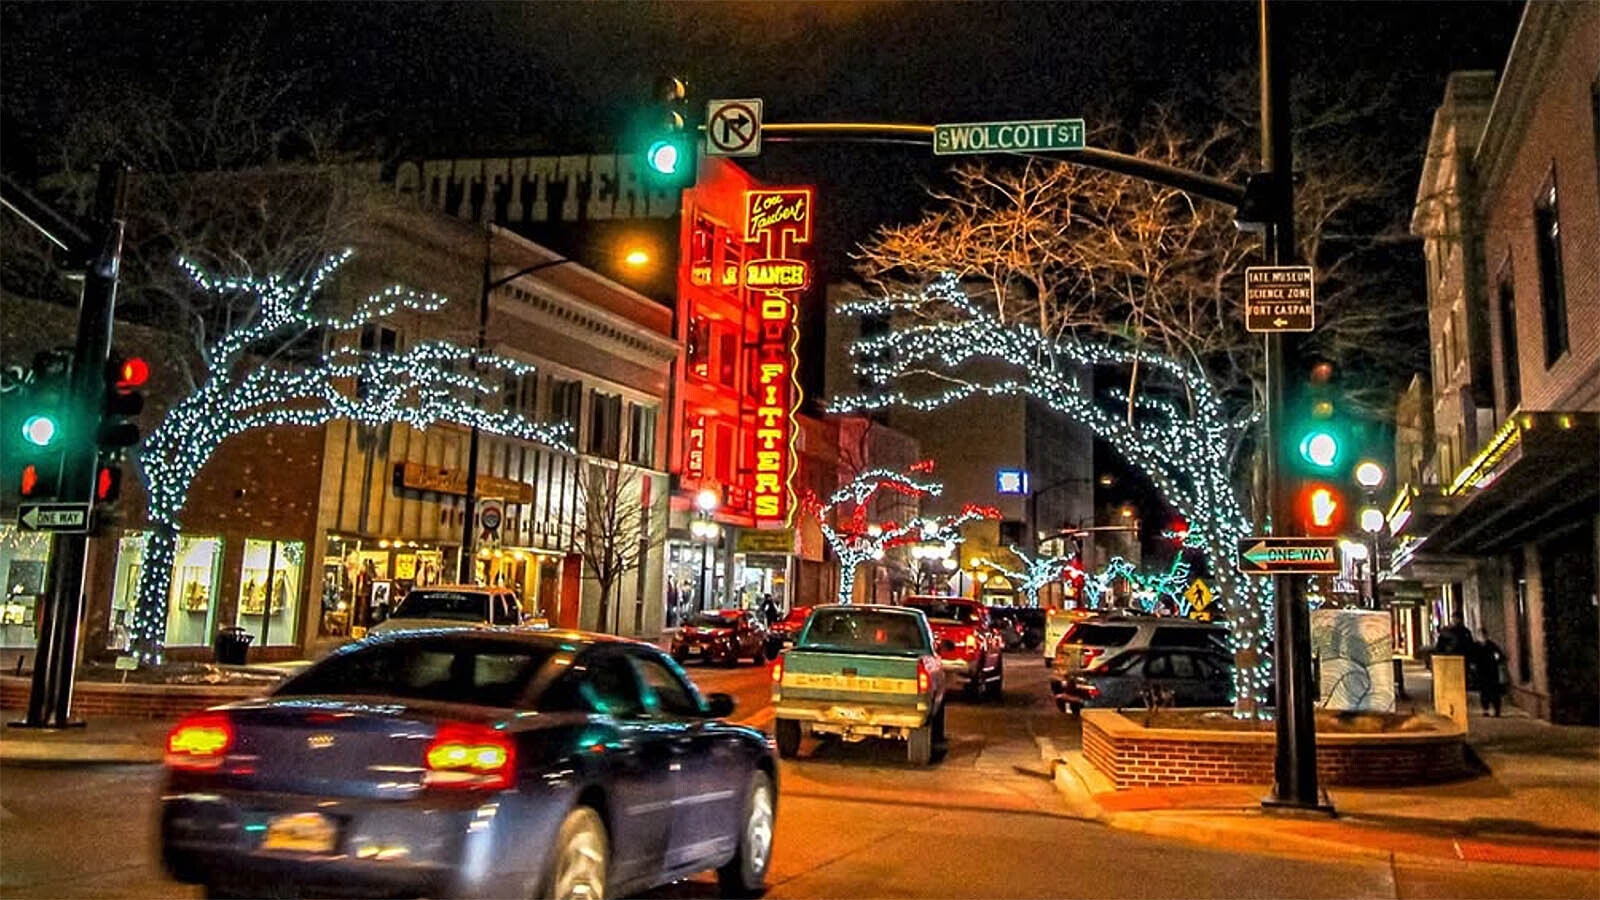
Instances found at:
x=429 y=383
x=1182 y=438
x=856 y=541
x=1036 y=571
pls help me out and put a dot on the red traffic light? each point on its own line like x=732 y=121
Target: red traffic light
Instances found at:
x=1321 y=508
x=30 y=479
x=133 y=373
x=107 y=484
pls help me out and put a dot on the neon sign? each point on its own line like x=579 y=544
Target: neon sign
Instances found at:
x=777 y=221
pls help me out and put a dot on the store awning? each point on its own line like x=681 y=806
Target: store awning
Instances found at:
x=1538 y=472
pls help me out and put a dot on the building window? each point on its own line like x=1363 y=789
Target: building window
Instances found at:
x=24 y=561
x=566 y=402
x=192 y=601
x=605 y=425
x=1508 y=342
x=698 y=351
x=727 y=358
x=642 y=435
x=1552 y=288
x=269 y=590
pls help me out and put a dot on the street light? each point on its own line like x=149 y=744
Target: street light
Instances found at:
x=1369 y=475
x=705 y=530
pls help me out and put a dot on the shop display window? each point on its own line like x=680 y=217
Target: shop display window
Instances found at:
x=269 y=590
x=191 y=605
x=24 y=560
x=362 y=580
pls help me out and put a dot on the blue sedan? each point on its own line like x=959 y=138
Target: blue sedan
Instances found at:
x=460 y=762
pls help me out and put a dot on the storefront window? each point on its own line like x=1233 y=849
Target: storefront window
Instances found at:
x=24 y=560
x=191 y=607
x=269 y=590
x=362 y=580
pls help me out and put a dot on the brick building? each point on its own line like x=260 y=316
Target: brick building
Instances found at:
x=1499 y=524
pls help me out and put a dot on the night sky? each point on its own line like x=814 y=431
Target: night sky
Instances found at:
x=464 y=78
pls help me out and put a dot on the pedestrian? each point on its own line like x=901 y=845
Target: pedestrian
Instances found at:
x=769 y=610
x=1455 y=640
x=1490 y=662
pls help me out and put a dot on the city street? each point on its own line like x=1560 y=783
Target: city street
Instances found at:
x=854 y=821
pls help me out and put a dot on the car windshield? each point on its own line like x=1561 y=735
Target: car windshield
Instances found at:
x=873 y=631
x=1100 y=635
x=713 y=620
x=460 y=606
x=963 y=613
x=485 y=673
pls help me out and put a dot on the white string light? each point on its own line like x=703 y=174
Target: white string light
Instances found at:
x=419 y=387
x=1185 y=449
x=1036 y=571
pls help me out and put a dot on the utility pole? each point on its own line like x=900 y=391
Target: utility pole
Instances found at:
x=1295 y=761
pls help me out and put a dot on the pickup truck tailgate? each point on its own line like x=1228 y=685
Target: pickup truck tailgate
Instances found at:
x=827 y=677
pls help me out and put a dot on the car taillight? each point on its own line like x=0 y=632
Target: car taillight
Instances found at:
x=923 y=679
x=200 y=742
x=471 y=757
x=972 y=641
x=777 y=671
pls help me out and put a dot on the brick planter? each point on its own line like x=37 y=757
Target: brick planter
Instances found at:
x=155 y=701
x=1132 y=755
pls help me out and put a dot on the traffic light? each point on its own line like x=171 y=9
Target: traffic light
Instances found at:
x=1322 y=508
x=1318 y=435
x=42 y=421
x=122 y=398
x=670 y=138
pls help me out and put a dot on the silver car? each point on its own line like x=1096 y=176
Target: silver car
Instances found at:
x=1166 y=676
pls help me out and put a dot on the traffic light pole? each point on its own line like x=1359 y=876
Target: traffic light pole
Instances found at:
x=1295 y=762
x=55 y=660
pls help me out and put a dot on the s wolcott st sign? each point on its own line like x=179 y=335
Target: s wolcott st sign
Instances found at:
x=1007 y=137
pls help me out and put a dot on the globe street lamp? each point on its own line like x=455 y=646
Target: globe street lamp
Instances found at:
x=705 y=530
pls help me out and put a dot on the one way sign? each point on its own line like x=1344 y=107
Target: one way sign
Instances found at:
x=733 y=128
x=1295 y=555
x=59 y=517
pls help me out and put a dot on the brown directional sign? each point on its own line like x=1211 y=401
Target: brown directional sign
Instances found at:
x=1293 y=555
x=1279 y=298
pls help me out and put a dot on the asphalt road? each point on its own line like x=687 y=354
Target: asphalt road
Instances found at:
x=854 y=821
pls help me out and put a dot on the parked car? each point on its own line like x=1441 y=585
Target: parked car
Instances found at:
x=455 y=605
x=1171 y=676
x=470 y=762
x=1095 y=640
x=782 y=633
x=1032 y=621
x=721 y=636
x=969 y=645
x=1056 y=624
x=861 y=671
x=1005 y=620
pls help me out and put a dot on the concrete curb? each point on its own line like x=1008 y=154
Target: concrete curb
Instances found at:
x=1079 y=782
x=78 y=753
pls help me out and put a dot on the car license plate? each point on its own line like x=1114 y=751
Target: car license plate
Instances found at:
x=305 y=832
x=849 y=713
x=696 y=649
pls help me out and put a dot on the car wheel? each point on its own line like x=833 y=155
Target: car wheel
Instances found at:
x=1077 y=708
x=975 y=683
x=788 y=733
x=680 y=656
x=938 y=727
x=746 y=874
x=581 y=858
x=996 y=688
x=919 y=746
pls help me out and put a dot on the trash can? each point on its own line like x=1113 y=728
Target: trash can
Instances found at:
x=232 y=645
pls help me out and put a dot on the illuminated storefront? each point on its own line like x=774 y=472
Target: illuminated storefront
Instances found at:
x=744 y=273
x=193 y=601
x=269 y=591
x=24 y=563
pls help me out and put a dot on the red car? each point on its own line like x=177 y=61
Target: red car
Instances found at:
x=968 y=643
x=782 y=633
x=721 y=636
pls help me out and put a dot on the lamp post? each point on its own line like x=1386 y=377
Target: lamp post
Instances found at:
x=706 y=531
x=1370 y=476
x=469 y=530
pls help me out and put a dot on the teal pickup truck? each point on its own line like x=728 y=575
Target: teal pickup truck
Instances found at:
x=861 y=671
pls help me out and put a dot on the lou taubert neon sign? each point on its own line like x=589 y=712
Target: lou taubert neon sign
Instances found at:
x=777 y=220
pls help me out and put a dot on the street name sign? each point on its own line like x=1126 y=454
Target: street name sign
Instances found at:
x=1007 y=137
x=733 y=127
x=1279 y=298
x=1288 y=555
x=69 y=518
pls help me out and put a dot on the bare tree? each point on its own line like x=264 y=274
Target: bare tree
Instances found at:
x=617 y=530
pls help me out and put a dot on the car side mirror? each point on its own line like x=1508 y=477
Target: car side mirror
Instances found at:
x=720 y=705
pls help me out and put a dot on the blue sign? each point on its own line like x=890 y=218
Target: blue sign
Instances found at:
x=1011 y=481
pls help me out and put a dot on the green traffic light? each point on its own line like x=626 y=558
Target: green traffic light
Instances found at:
x=663 y=157
x=1320 y=449
x=39 y=430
